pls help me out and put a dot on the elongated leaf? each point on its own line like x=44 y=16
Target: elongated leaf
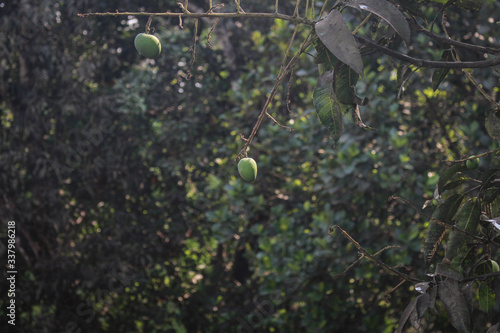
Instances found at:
x=338 y=39
x=435 y=232
x=454 y=183
x=468 y=216
x=433 y=296
x=467 y=219
x=448 y=174
x=455 y=304
x=414 y=311
x=388 y=12
x=423 y=302
x=344 y=83
x=410 y=308
x=447 y=271
x=440 y=74
x=325 y=59
x=327 y=107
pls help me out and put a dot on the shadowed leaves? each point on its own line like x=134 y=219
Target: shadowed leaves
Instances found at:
x=338 y=39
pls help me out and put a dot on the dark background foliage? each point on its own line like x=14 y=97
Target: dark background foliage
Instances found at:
x=121 y=176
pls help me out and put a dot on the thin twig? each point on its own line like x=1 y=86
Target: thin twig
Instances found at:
x=465 y=71
x=447 y=41
x=277 y=123
x=372 y=258
x=387 y=295
x=281 y=77
x=361 y=24
x=429 y=63
x=480 y=277
x=441 y=223
x=211 y=31
x=186 y=14
x=474 y=157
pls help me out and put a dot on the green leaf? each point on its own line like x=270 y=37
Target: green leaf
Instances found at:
x=486 y=297
x=388 y=12
x=325 y=59
x=344 y=83
x=467 y=219
x=440 y=74
x=448 y=174
x=336 y=36
x=456 y=182
x=327 y=107
x=436 y=232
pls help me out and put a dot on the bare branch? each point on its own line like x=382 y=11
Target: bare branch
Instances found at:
x=187 y=14
x=428 y=63
x=449 y=41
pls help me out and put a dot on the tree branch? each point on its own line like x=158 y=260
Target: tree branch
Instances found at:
x=187 y=14
x=449 y=41
x=281 y=77
x=428 y=63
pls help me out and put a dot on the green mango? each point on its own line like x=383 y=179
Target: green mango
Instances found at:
x=473 y=163
x=247 y=167
x=147 y=45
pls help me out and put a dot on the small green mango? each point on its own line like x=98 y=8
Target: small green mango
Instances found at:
x=473 y=163
x=494 y=266
x=247 y=167
x=147 y=45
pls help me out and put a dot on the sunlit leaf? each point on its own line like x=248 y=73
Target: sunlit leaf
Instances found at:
x=336 y=36
x=388 y=12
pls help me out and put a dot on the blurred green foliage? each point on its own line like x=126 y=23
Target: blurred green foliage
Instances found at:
x=120 y=173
